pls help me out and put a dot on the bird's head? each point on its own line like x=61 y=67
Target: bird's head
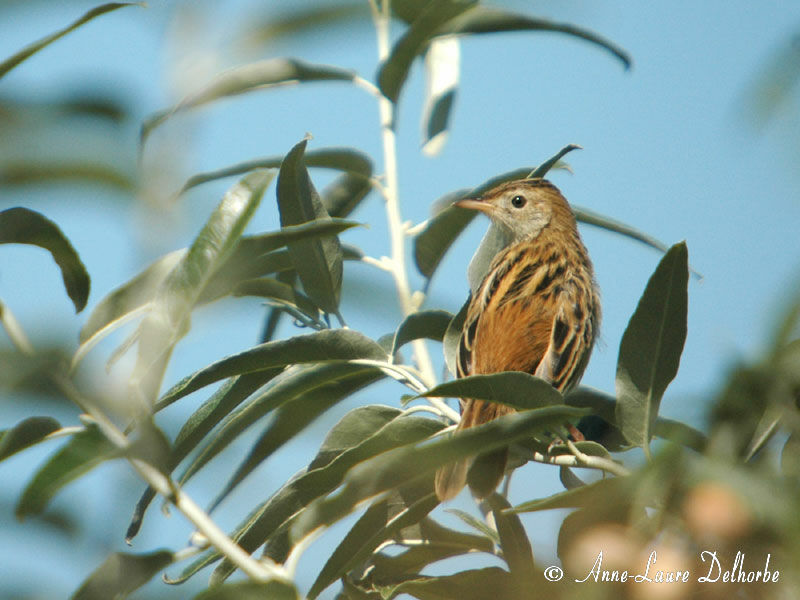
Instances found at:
x=523 y=208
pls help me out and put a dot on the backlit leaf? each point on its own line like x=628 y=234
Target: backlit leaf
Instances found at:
x=247 y=78
x=33 y=48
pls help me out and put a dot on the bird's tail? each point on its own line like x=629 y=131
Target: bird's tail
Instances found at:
x=484 y=472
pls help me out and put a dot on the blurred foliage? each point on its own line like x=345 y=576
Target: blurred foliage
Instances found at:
x=704 y=514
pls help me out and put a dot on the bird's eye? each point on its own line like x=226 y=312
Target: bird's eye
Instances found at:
x=518 y=201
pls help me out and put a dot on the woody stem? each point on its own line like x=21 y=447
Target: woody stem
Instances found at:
x=397 y=234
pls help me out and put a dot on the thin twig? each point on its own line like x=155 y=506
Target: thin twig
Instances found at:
x=255 y=569
x=579 y=459
x=397 y=234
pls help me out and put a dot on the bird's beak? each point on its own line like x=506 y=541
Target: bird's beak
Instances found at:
x=477 y=203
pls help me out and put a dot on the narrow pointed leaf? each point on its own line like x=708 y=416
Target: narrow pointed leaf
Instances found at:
x=168 y=320
x=297 y=404
x=428 y=324
x=482 y=19
x=476 y=524
x=250 y=590
x=513 y=388
x=66 y=170
x=413 y=462
x=22 y=226
x=431 y=244
x=83 y=452
x=604 y=408
x=26 y=433
x=301 y=20
x=362 y=434
x=544 y=168
x=33 y=48
x=272 y=289
x=130 y=296
x=391 y=569
x=514 y=542
x=473 y=584
x=247 y=78
x=372 y=529
x=334 y=344
x=198 y=425
x=651 y=347
x=318 y=262
x=121 y=574
x=348 y=160
x=394 y=72
x=597 y=493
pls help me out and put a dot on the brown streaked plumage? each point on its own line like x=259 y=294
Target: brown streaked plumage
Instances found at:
x=537 y=310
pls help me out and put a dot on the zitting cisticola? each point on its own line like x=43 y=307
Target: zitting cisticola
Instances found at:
x=537 y=310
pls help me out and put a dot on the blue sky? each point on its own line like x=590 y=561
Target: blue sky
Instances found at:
x=670 y=147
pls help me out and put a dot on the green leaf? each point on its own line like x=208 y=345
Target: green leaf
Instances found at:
x=286 y=505
x=272 y=26
x=474 y=584
x=83 y=452
x=297 y=400
x=318 y=262
x=247 y=78
x=352 y=429
x=428 y=324
x=413 y=462
x=651 y=347
x=482 y=19
x=517 y=550
x=351 y=161
x=440 y=543
x=198 y=425
x=439 y=234
x=600 y=492
x=370 y=531
x=544 y=168
x=22 y=226
x=250 y=590
x=168 y=320
x=513 y=388
x=66 y=170
x=604 y=407
x=476 y=524
x=26 y=433
x=394 y=71
x=334 y=344
x=33 y=48
x=122 y=574
x=125 y=303
x=280 y=293
x=584 y=215
x=452 y=337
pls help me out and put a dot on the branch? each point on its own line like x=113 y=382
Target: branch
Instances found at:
x=397 y=233
x=579 y=459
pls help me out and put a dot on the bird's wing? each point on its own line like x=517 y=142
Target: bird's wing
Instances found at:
x=571 y=339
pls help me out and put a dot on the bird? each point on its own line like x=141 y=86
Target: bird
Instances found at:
x=537 y=310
